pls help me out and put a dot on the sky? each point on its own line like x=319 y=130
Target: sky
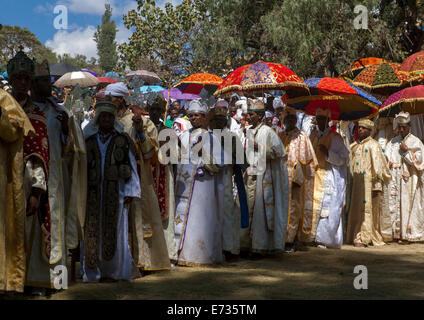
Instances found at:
x=83 y=16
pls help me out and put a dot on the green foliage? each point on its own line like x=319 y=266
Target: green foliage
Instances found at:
x=105 y=39
x=12 y=37
x=81 y=61
x=313 y=37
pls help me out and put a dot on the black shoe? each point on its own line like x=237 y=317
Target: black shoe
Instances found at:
x=289 y=248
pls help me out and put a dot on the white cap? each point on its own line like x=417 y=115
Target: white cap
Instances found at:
x=195 y=106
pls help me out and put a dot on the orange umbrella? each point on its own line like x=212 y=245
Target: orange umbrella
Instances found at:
x=195 y=83
x=359 y=65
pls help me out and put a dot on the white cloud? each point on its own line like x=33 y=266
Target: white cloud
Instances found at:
x=81 y=41
x=76 y=42
x=97 y=7
x=122 y=34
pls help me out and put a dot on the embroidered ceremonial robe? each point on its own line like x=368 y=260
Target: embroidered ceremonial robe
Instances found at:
x=370 y=173
x=163 y=177
x=66 y=185
x=301 y=164
x=198 y=201
x=329 y=187
x=147 y=235
x=406 y=194
x=14 y=125
x=37 y=226
x=112 y=176
x=267 y=192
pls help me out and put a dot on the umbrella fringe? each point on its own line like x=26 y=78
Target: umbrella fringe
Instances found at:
x=257 y=87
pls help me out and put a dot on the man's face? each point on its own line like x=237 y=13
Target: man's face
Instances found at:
x=174 y=114
x=197 y=119
x=268 y=121
x=106 y=121
x=322 y=122
x=176 y=104
x=218 y=122
x=155 y=114
x=290 y=122
x=404 y=130
x=363 y=132
x=233 y=109
x=21 y=84
x=253 y=118
x=43 y=86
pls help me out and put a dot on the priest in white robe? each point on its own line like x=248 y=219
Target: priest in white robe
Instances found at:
x=113 y=183
x=198 y=206
x=329 y=182
x=406 y=195
x=267 y=186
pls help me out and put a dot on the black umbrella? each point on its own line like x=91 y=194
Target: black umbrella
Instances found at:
x=59 y=69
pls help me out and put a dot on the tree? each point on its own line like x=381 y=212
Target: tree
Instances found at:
x=313 y=37
x=105 y=39
x=162 y=38
x=12 y=37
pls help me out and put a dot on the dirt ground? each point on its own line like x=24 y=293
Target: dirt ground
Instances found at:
x=394 y=272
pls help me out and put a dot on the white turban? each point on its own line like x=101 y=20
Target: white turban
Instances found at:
x=278 y=103
x=221 y=103
x=242 y=104
x=118 y=89
x=268 y=114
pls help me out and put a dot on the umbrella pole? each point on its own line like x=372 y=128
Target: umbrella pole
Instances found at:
x=167 y=106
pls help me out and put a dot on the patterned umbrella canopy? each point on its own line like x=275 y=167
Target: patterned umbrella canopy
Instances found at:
x=359 y=65
x=414 y=64
x=345 y=101
x=262 y=76
x=410 y=100
x=195 y=83
x=384 y=78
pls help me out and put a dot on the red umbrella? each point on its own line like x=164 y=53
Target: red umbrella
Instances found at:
x=106 y=80
x=195 y=83
x=414 y=64
x=262 y=76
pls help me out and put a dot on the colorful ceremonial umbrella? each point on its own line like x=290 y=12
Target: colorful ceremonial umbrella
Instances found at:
x=197 y=82
x=147 y=76
x=106 y=80
x=81 y=78
x=345 y=101
x=384 y=78
x=260 y=77
x=359 y=65
x=409 y=100
x=414 y=64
